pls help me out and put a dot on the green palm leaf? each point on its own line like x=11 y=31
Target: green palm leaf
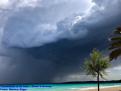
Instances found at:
x=118 y=30
x=117 y=38
x=115 y=44
x=96 y=63
x=115 y=53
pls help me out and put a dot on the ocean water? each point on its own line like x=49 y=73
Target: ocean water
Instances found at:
x=54 y=87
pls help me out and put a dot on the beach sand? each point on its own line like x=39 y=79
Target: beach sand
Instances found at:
x=104 y=89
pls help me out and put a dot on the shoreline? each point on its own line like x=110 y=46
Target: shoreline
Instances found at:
x=105 y=88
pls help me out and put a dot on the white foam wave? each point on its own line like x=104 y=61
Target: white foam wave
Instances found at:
x=89 y=88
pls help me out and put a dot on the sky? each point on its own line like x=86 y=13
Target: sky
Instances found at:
x=47 y=41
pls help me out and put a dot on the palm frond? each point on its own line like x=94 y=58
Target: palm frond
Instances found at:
x=118 y=30
x=96 y=63
x=114 y=45
x=116 y=38
x=115 y=53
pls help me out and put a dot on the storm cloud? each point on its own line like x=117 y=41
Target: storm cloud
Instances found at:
x=47 y=41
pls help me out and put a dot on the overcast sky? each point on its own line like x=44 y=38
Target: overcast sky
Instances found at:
x=47 y=41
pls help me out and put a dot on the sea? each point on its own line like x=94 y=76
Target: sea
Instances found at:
x=56 y=87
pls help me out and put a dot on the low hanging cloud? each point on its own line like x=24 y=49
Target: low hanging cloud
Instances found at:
x=47 y=41
x=42 y=24
x=43 y=27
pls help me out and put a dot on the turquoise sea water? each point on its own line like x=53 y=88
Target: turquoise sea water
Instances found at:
x=52 y=87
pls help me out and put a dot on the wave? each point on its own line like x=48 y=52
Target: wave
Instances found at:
x=89 y=88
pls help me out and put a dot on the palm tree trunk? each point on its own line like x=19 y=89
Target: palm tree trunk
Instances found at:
x=98 y=79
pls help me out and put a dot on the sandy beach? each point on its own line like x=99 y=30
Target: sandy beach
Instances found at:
x=103 y=89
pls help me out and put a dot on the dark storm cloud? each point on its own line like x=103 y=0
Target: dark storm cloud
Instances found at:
x=23 y=65
x=55 y=59
x=41 y=24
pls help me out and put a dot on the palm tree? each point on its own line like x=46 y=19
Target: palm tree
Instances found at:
x=96 y=64
x=115 y=44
